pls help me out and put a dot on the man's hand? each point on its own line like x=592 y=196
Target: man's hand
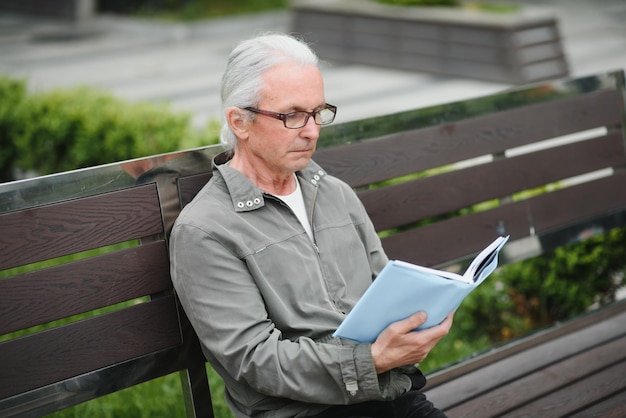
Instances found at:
x=399 y=345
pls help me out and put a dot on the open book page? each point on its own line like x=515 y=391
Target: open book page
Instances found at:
x=482 y=265
x=401 y=289
x=485 y=262
x=443 y=273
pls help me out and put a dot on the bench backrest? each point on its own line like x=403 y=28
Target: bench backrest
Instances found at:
x=488 y=154
x=102 y=315
x=564 y=139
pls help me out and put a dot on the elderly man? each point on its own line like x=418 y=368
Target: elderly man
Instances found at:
x=273 y=252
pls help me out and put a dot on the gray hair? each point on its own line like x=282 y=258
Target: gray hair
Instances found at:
x=242 y=84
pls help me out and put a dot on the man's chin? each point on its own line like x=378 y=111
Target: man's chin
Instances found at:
x=301 y=161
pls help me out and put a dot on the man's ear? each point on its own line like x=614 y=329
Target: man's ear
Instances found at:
x=238 y=122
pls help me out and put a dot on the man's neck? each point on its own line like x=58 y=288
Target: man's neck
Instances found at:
x=281 y=184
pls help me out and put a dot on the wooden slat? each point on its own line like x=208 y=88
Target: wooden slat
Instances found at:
x=610 y=407
x=50 y=231
x=187 y=358
x=605 y=313
x=462 y=236
x=579 y=394
x=516 y=366
x=58 y=292
x=451 y=191
x=45 y=400
x=576 y=203
x=391 y=156
x=458 y=237
x=60 y=353
x=189 y=186
x=523 y=390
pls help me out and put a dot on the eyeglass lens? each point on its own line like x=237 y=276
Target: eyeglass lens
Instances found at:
x=299 y=119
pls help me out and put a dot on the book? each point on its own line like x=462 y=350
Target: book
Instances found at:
x=402 y=289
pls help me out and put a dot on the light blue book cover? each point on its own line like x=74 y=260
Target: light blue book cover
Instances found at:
x=402 y=288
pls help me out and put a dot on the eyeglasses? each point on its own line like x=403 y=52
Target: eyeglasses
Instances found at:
x=298 y=119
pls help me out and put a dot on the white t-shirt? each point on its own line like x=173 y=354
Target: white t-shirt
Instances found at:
x=296 y=202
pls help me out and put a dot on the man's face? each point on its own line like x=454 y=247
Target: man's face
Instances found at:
x=271 y=148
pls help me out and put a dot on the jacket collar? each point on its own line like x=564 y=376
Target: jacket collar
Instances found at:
x=245 y=195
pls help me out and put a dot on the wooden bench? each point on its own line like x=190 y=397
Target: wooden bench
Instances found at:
x=133 y=331
x=425 y=164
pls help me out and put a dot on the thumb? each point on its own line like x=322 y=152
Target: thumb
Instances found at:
x=415 y=320
x=420 y=316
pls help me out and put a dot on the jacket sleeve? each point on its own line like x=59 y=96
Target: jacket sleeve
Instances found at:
x=245 y=344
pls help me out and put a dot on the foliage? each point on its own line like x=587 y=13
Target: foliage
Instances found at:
x=65 y=129
x=569 y=280
x=12 y=93
x=529 y=295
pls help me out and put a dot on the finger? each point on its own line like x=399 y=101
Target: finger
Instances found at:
x=411 y=323
x=438 y=331
x=447 y=322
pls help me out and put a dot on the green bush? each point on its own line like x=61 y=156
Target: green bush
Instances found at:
x=12 y=93
x=523 y=297
x=555 y=287
x=65 y=129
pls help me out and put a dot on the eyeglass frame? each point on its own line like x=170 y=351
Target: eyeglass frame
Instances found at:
x=283 y=116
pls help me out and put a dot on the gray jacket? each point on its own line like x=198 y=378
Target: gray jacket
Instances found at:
x=265 y=300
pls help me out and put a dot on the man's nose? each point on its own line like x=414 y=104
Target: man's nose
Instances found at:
x=311 y=130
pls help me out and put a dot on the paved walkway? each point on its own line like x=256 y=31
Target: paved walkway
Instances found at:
x=182 y=63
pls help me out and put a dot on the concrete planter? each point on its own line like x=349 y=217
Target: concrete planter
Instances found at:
x=515 y=48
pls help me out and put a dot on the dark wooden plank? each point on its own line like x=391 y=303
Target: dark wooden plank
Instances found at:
x=64 y=394
x=50 y=231
x=451 y=191
x=391 y=156
x=605 y=313
x=58 y=292
x=457 y=238
x=611 y=407
x=187 y=358
x=516 y=393
x=512 y=367
x=189 y=186
x=579 y=394
x=60 y=353
x=576 y=203
x=466 y=235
